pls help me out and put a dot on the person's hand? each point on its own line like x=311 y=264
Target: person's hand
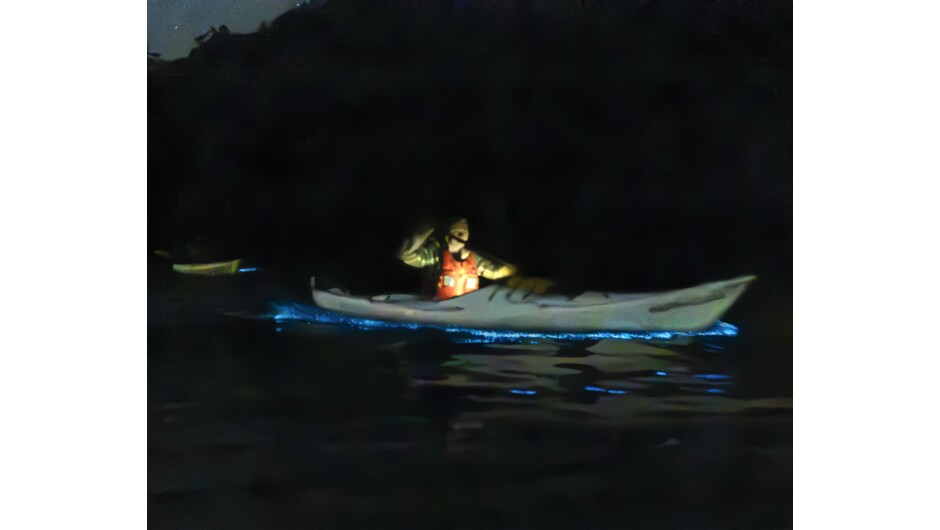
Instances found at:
x=425 y=233
x=503 y=271
x=417 y=240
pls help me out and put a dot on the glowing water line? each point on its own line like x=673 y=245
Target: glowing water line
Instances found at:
x=591 y=388
x=306 y=313
x=712 y=377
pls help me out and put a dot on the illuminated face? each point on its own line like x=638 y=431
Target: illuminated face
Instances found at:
x=458 y=236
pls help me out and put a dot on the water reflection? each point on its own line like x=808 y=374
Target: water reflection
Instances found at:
x=259 y=408
x=593 y=378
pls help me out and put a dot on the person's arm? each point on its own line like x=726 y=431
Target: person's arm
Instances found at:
x=493 y=269
x=419 y=251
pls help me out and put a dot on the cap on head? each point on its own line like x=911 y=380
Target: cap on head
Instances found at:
x=459 y=224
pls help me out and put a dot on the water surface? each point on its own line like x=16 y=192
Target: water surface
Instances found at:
x=257 y=421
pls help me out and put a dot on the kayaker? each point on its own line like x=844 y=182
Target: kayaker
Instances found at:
x=457 y=269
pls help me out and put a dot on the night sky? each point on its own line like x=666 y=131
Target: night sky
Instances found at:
x=173 y=24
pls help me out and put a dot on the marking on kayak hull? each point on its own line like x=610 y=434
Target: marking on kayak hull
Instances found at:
x=714 y=296
x=685 y=302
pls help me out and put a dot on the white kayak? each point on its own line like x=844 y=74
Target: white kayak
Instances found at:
x=503 y=308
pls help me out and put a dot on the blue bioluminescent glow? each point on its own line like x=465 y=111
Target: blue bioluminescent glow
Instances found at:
x=248 y=269
x=308 y=313
x=715 y=391
x=484 y=340
x=591 y=388
x=278 y=329
x=661 y=373
x=526 y=392
x=712 y=377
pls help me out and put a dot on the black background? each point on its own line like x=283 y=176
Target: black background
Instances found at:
x=607 y=145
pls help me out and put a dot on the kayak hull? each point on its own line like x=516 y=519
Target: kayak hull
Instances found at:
x=502 y=308
x=208 y=269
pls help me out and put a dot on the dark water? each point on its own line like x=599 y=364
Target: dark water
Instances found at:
x=257 y=423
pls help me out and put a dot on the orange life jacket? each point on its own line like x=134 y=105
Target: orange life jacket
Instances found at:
x=457 y=277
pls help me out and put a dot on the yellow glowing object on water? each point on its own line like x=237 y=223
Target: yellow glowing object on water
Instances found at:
x=535 y=285
x=208 y=269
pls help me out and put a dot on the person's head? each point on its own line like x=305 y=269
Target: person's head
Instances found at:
x=458 y=233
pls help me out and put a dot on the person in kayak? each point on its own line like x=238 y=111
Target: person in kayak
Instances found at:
x=457 y=268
